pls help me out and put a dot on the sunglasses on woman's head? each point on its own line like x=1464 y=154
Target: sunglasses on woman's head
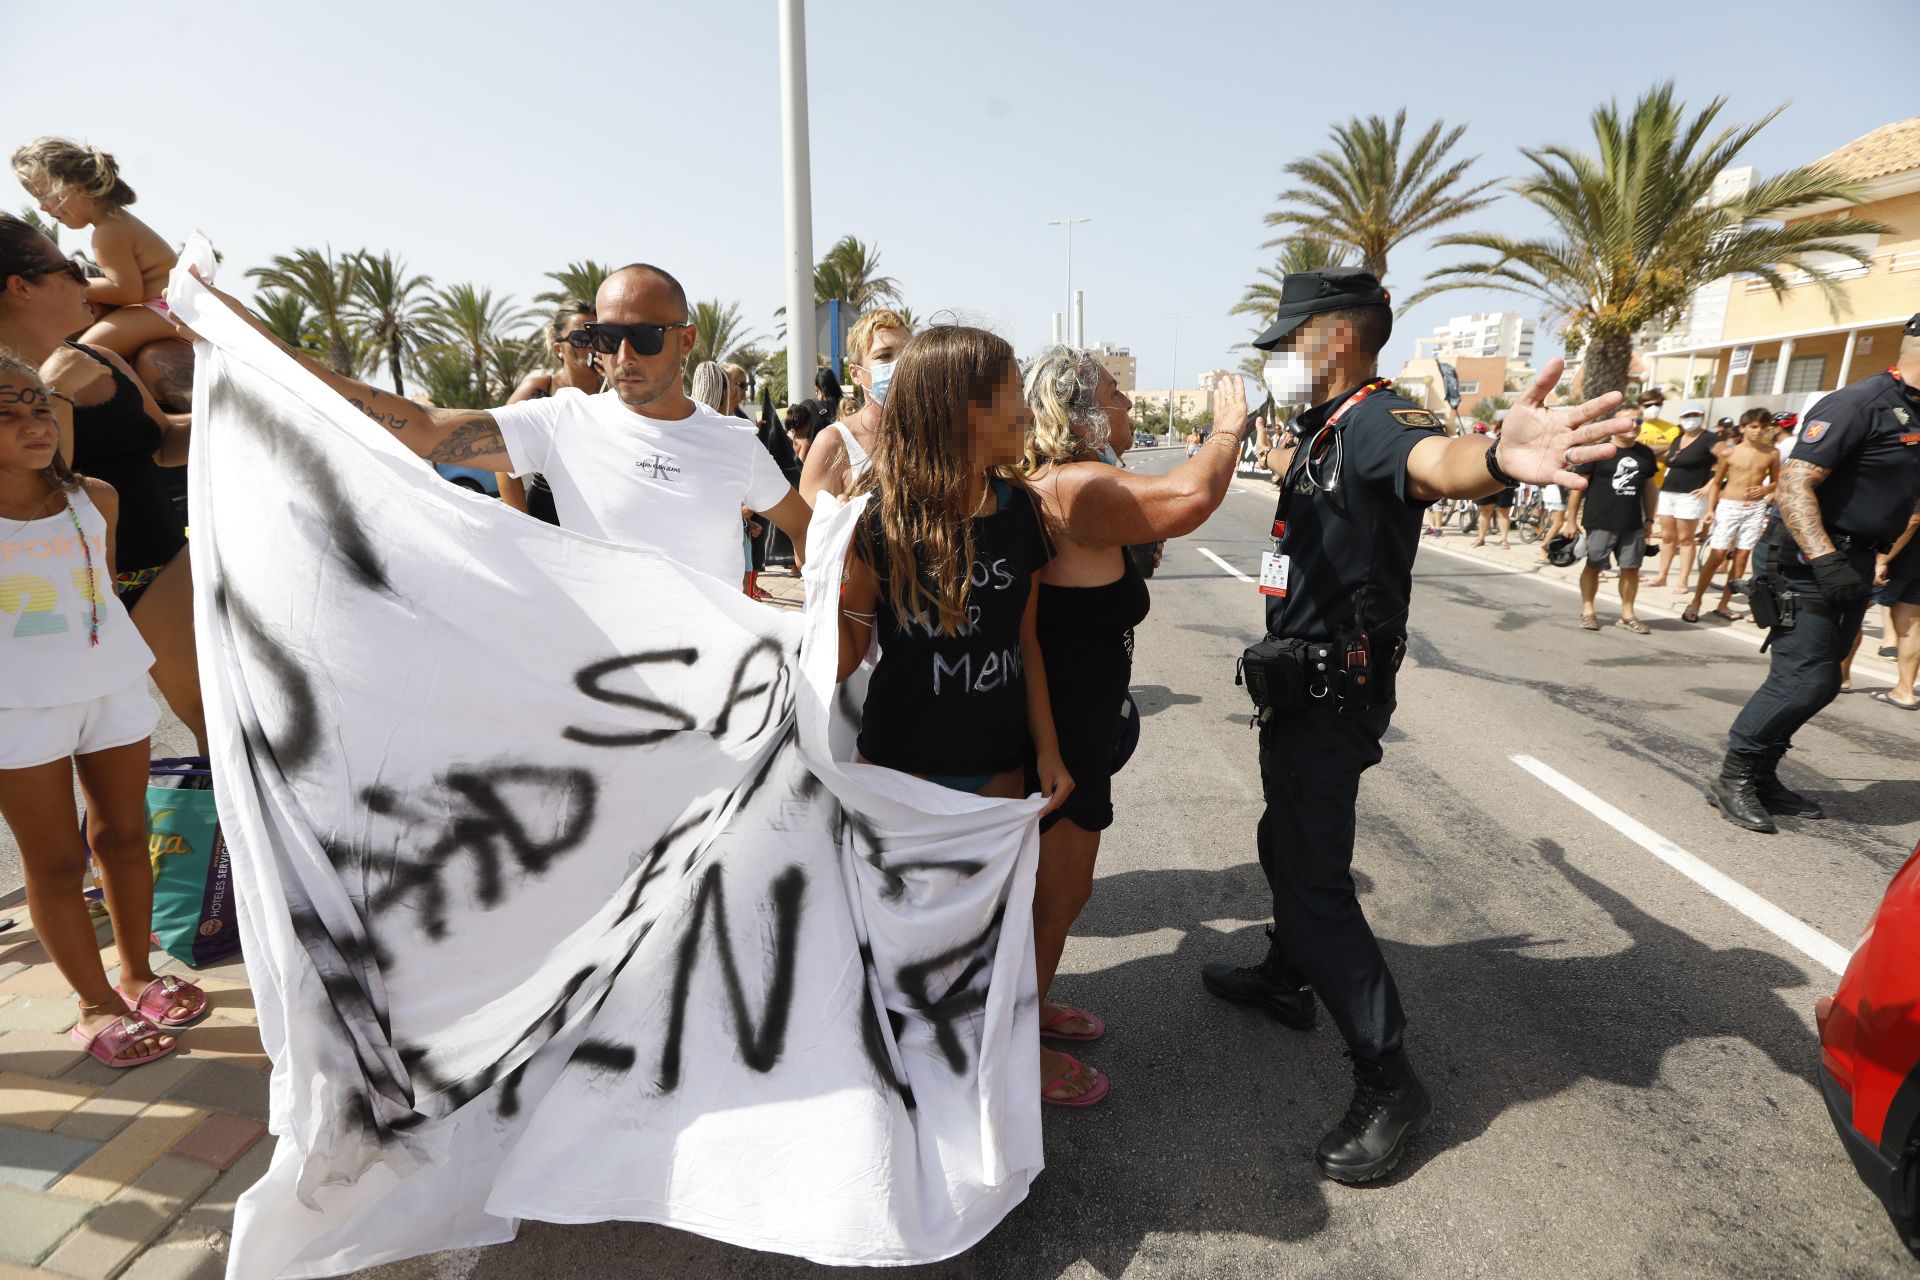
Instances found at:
x=67 y=265
x=645 y=339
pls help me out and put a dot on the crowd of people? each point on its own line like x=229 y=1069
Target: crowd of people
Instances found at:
x=988 y=587
x=1682 y=484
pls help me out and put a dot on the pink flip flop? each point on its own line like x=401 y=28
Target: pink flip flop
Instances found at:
x=108 y=1043
x=1092 y=1095
x=165 y=992
x=1068 y=1013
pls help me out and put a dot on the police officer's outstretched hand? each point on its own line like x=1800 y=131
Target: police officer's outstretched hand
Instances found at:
x=1839 y=585
x=1538 y=445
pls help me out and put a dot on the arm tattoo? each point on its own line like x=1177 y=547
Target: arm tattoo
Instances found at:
x=1800 y=508
x=371 y=407
x=477 y=437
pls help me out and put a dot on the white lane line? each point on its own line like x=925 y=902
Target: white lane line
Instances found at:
x=1753 y=637
x=1796 y=933
x=1224 y=565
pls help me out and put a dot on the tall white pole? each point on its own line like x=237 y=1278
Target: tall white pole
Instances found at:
x=798 y=188
x=1058 y=333
x=1080 y=319
x=1173 y=377
x=1068 y=224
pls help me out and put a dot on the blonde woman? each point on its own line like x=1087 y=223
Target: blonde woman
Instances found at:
x=1090 y=598
x=842 y=452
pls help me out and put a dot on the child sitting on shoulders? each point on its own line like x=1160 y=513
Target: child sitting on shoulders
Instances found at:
x=81 y=186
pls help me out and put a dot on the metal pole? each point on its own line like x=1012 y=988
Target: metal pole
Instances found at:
x=1080 y=320
x=798 y=189
x=1068 y=224
x=1173 y=378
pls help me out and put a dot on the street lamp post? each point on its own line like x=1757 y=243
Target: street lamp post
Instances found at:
x=798 y=190
x=1173 y=384
x=1068 y=223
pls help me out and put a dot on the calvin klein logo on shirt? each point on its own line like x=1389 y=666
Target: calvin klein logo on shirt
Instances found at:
x=657 y=467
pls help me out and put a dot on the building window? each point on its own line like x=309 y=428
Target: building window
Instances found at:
x=1469 y=388
x=1805 y=373
x=1760 y=376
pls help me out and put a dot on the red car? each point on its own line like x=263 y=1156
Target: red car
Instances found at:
x=1870 y=1053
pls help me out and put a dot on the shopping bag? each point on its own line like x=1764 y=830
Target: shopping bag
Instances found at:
x=193 y=912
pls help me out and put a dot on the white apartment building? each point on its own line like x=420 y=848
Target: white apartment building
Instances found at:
x=1504 y=335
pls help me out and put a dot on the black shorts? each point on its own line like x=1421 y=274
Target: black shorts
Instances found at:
x=1503 y=499
x=1089 y=700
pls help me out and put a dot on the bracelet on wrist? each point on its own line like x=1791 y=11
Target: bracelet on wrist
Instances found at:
x=1493 y=468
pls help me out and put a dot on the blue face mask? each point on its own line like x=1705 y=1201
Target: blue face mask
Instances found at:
x=881 y=376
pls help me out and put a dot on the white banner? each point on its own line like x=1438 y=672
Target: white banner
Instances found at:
x=558 y=901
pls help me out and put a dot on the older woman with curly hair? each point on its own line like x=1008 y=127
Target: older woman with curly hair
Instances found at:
x=1091 y=597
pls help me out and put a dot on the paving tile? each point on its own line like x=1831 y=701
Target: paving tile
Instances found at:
x=21 y=948
x=37 y=980
x=28 y=1102
x=35 y=1223
x=38 y=1013
x=229 y=1041
x=130 y=1152
x=212 y=1213
x=10 y=967
x=133 y=1219
x=149 y=1083
x=12 y=1271
x=36 y=1160
x=220 y=1140
x=39 y=1053
x=225 y=1086
x=177 y=1260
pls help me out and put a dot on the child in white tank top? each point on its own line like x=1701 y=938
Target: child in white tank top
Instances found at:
x=73 y=694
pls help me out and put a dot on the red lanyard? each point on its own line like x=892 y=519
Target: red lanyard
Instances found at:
x=1378 y=384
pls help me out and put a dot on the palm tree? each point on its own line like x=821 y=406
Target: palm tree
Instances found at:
x=1486 y=406
x=509 y=360
x=472 y=319
x=850 y=273
x=393 y=308
x=444 y=375
x=579 y=280
x=45 y=226
x=751 y=358
x=289 y=318
x=1301 y=253
x=719 y=330
x=1363 y=194
x=905 y=312
x=1636 y=231
x=326 y=285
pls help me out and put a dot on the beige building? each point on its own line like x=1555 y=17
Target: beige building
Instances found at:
x=1120 y=364
x=1481 y=377
x=1783 y=352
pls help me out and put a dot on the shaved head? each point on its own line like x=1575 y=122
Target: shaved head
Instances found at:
x=640 y=279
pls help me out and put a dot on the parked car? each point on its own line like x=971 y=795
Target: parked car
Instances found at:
x=1870 y=1053
x=1141 y=440
x=469 y=478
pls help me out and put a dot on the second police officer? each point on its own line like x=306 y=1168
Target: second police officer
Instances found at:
x=1845 y=494
x=1366 y=464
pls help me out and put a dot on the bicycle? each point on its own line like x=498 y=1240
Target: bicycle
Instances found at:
x=1529 y=512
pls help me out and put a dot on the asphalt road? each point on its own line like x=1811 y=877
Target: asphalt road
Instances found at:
x=1622 y=1062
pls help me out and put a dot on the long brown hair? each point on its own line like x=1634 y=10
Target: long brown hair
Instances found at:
x=924 y=483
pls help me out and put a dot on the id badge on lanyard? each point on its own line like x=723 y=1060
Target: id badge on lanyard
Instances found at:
x=1276 y=568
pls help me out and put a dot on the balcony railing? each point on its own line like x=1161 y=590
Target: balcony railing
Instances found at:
x=1886 y=260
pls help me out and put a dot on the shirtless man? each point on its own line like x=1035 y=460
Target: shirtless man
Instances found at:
x=1749 y=470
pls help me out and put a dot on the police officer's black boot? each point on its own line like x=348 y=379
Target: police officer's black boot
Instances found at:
x=1736 y=792
x=1389 y=1107
x=1775 y=797
x=1273 y=985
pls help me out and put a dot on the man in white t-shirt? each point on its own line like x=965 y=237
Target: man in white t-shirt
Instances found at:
x=640 y=463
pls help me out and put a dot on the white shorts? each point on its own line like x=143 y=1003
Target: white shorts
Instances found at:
x=1682 y=506
x=1554 y=497
x=31 y=736
x=1737 y=525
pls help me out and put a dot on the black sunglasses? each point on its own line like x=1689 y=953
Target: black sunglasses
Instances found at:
x=645 y=339
x=67 y=265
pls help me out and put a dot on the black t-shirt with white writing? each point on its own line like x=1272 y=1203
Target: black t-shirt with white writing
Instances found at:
x=1614 y=499
x=957 y=705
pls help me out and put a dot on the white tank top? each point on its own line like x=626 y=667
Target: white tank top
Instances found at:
x=47 y=602
x=858 y=463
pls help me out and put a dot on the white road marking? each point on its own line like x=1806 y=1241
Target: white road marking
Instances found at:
x=1753 y=637
x=1796 y=933
x=1224 y=565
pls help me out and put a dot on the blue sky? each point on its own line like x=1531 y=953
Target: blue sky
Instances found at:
x=492 y=142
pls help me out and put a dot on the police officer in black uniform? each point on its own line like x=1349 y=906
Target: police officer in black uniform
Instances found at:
x=1844 y=495
x=1364 y=466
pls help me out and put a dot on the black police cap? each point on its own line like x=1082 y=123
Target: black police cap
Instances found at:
x=1913 y=326
x=1309 y=293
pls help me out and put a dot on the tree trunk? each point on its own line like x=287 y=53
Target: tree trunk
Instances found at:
x=1608 y=357
x=393 y=364
x=479 y=377
x=339 y=354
